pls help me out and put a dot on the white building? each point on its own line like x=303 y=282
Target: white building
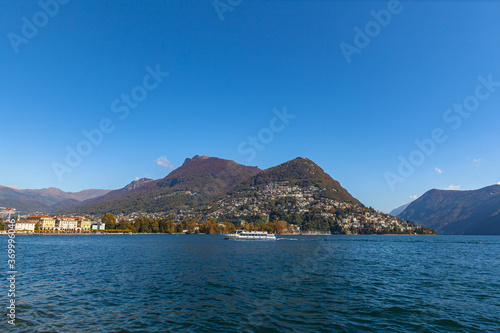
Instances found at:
x=24 y=225
x=64 y=223
x=44 y=222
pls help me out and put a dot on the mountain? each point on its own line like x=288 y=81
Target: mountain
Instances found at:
x=303 y=173
x=474 y=212
x=24 y=205
x=198 y=180
x=63 y=205
x=138 y=183
x=86 y=194
x=399 y=210
x=38 y=200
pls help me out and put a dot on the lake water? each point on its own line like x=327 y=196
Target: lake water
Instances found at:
x=168 y=283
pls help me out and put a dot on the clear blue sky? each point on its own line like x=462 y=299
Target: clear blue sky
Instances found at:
x=226 y=77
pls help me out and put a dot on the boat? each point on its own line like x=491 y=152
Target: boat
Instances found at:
x=250 y=235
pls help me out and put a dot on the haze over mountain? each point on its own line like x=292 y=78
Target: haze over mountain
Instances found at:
x=399 y=210
x=458 y=212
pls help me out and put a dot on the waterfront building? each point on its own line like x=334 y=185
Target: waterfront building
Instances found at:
x=65 y=223
x=25 y=225
x=83 y=223
x=44 y=222
x=98 y=226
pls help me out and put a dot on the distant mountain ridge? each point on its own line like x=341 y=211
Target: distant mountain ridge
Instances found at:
x=399 y=210
x=42 y=199
x=199 y=180
x=475 y=212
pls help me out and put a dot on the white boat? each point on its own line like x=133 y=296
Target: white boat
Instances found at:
x=257 y=235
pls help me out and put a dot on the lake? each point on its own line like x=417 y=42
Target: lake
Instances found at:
x=201 y=283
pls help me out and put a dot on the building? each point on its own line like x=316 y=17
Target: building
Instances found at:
x=83 y=223
x=64 y=223
x=25 y=225
x=98 y=226
x=44 y=222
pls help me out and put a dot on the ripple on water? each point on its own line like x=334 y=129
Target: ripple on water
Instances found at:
x=298 y=284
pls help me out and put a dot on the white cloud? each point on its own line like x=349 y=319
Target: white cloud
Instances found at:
x=453 y=188
x=477 y=160
x=498 y=183
x=163 y=162
x=438 y=170
x=413 y=197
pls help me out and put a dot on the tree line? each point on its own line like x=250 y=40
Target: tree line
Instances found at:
x=191 y=226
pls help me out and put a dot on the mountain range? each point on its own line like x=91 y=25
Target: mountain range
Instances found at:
x=198 y=180
x=475 y=212
x=201 y=181
x=203 y=178
x=44 y=199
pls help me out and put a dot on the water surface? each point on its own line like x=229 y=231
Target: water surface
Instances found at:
x=198 y=283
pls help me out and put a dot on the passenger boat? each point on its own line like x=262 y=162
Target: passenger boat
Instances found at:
x=255 y=235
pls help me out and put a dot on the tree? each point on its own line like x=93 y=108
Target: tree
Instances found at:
x=2 y=224
x=109 y=221
x=153 y=226
x=124 y=225
x=166 y=226
x=211 y=227
x=229 y=228
x=180 y=229
x=190 y=224
x=170 y=227
x=37 y=226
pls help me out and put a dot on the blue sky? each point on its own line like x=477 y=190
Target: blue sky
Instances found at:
x=227 y=76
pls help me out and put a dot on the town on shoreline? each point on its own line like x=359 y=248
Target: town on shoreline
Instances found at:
x=109 y=224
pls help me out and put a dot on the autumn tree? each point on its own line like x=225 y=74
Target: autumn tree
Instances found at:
x=229 y=228
x=190 y=225
x=166 y=226
x=109 y=221
x=124 y=225
x=211 y=227
x=153 y=226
